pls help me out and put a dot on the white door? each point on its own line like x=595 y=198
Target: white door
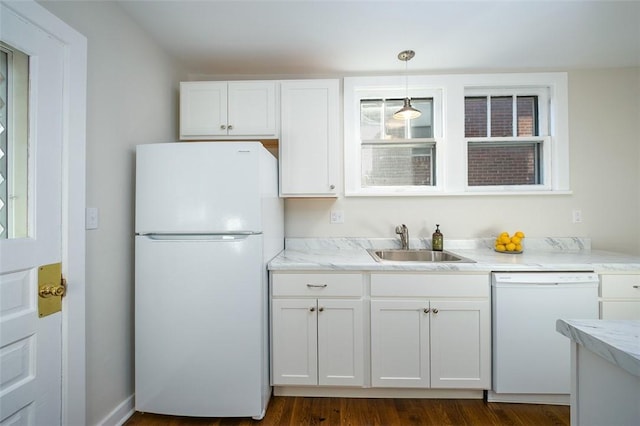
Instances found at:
x=400 y=343
x=252 y=108
x=200 y=305
x=294 y=340
x=460 y=344
x=309 y=138
x=340 y=342
x=203 y=108
x=30 y=347
x=196 y=188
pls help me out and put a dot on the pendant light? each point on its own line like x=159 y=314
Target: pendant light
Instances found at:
x=407 y=112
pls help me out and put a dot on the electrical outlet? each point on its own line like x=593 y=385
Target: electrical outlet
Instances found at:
x=337 y=216
x=577 y=216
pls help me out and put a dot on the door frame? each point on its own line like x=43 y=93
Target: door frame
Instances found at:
x=73 y=206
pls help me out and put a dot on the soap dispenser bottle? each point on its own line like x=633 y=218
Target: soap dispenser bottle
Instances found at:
x=437 y=240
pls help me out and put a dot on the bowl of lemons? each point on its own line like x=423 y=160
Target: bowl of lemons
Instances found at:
x=511 y=244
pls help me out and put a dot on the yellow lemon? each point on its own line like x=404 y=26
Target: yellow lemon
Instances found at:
x=500 y=247
x=503 y=234
x=510 y=247
x=504 y=239
x=520 y=234
x=515 y=240
x=518 y=247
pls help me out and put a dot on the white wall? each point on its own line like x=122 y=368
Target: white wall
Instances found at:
x=604 y=110
x=132 y=98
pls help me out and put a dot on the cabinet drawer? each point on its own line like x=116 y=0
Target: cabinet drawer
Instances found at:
x=317 y=285
x=430 y=285
x=620 y=286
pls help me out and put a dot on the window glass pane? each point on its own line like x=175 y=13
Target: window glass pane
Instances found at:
x=527 y=113
x=501 y=116
x=422 y=127
x=377 y=122
x=504 y=164
x=3 y=144
x=398 y=165
x=14 y=99
x=475 y=117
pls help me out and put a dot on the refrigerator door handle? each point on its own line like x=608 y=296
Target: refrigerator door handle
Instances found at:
x=201 y=237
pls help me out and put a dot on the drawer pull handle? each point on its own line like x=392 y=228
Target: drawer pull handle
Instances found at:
x=435 y=310
x=316 y=285
x=312 y=309
x=426 y=310
x=636 y=286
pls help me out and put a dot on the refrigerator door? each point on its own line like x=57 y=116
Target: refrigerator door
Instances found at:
x=198 y=188
x=201 y=326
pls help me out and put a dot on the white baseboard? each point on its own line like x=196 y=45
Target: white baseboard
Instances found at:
x=120 y=414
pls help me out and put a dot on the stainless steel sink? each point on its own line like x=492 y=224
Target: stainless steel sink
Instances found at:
x=399 y=255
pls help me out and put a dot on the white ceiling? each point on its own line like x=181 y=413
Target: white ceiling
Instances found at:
x=343 y=37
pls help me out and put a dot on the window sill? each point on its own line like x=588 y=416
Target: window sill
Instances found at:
x=453 y=194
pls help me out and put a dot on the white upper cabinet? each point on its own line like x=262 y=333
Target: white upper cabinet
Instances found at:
x=228 y=110
x=310 y=138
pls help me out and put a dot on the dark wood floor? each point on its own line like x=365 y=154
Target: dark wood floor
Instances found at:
x=297 y=411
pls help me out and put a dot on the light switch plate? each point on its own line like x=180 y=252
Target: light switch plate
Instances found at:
x=91 y=218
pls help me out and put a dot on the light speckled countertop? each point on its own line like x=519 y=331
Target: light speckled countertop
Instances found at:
x=616 y=341
x=545 y=254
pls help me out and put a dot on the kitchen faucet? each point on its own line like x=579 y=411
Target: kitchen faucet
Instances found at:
x=403 y=231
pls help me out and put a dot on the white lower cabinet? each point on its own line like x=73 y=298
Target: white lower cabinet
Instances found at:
x=430 y=331
x=317 y=329
x=620 y=296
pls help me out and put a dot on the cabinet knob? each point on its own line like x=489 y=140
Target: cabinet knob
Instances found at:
x=332 y=187
x=320 y=309
x=312 y=309
x=230 y=127
x=223 y=127
x=426 y=310
x=435 y=311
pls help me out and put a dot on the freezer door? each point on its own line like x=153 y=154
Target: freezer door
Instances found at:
x=201 y=326
x=205 y=187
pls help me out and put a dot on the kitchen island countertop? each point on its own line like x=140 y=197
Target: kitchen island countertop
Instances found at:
x=616 y=341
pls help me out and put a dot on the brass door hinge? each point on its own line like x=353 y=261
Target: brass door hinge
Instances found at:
x=51 y=289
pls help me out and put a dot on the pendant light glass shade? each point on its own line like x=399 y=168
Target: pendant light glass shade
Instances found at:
x=407 y=112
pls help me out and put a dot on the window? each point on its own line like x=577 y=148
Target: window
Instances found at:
x=396 y=152
x=390 y=156
x=478 y=134
x=506 y=137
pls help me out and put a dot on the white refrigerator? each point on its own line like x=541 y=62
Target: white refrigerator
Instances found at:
x=208 y=219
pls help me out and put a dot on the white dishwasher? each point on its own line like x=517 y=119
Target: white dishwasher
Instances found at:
x=530 y=359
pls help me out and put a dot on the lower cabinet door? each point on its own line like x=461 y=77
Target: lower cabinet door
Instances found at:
x=340 y=343
x=294 y=342
x=460 y=344
x=620 y=310
x=400 y=343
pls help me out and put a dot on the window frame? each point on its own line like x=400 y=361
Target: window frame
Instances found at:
x=386 y=88
x=448 y=92
x=543 y=137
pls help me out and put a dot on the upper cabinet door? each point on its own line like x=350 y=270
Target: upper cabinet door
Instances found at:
x=310 y=138
x=203 y=109
x=252 y=108
x=228 y=110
